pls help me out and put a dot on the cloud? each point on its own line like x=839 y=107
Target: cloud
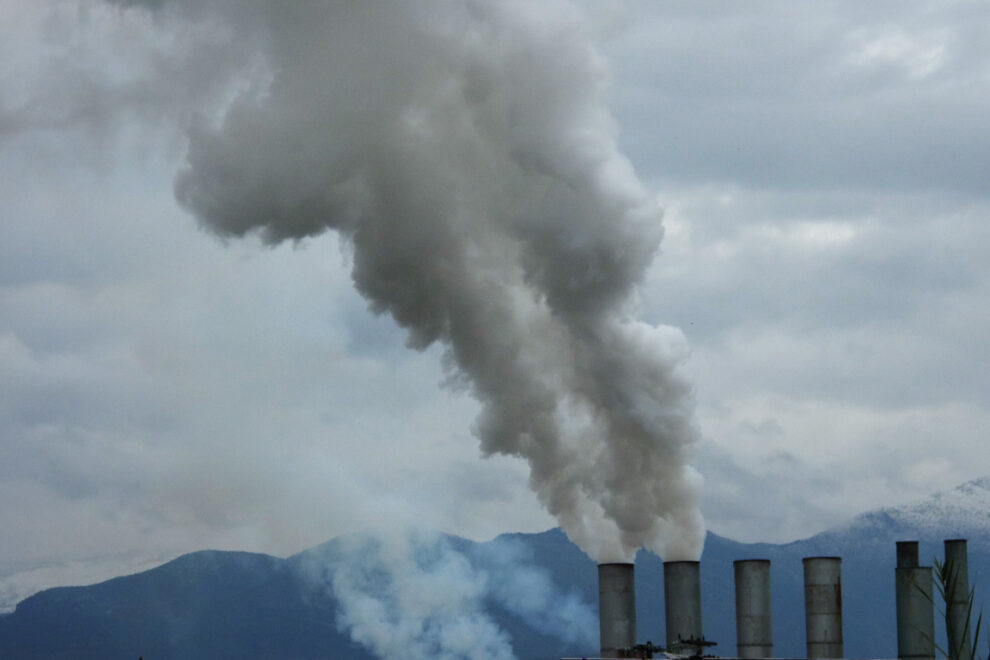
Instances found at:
x=826 y=249
x=793 y=98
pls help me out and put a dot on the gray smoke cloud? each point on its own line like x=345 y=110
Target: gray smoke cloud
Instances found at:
x=463 y=151
x=405 y=596
x=413 y=594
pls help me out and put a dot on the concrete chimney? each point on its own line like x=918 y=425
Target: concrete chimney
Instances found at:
x=682 y=602
x=957 y=605
x=616 y=608
x=754 y=629
x=915 y=607
x=823 y=606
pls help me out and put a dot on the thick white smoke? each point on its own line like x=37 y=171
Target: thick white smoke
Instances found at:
x=403 y=597
x=462 y=149
x=413 y=595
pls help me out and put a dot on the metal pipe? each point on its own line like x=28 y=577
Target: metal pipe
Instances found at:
x=682 y=604
x=823 y=606
x=957 y=606
x=915 y=607
x=616 y=608
x=907 y=554
x=754 y=629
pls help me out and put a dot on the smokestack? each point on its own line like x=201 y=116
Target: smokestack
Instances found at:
x=616 y=608
x=915 y=607
x=754 y=629
x=682 y=602
x=823 y=606
x=957 y=605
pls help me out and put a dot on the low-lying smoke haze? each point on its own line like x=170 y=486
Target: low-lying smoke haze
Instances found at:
x=413 y=594
x=466 y=156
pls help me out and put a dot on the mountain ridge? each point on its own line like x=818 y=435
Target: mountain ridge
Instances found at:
x=529 y=590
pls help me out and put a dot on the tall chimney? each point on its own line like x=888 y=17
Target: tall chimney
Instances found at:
x=823 y=606
x=957 y=605
x=754 y=629
x=616 y=608
x=915 y=607
x=682 y=602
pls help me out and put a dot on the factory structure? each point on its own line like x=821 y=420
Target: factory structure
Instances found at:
x=915 y=598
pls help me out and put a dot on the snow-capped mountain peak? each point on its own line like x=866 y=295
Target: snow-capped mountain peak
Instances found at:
x=962 y=512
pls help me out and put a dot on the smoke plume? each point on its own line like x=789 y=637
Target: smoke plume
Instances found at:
x=413 y=594
x=463 y=151
x=403 y=597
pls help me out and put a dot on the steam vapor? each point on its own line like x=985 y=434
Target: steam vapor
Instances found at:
x=412 y=594
x=462 y=150
x=408 y=596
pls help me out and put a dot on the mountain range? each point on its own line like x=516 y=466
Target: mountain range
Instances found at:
x=431 y=595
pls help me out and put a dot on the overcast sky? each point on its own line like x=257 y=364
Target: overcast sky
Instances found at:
x=823 y=169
